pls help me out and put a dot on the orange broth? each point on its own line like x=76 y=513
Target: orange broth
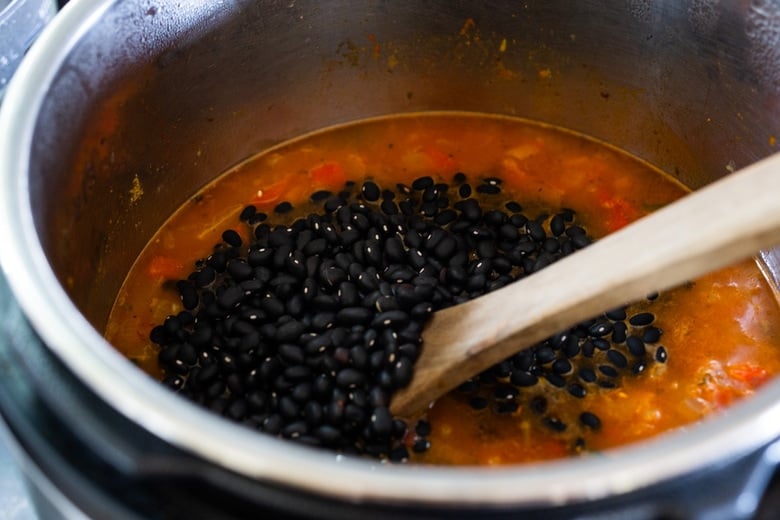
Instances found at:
x=722 y=331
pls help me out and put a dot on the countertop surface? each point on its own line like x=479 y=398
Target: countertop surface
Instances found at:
x=14 y=503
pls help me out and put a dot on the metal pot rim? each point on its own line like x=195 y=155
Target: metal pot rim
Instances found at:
x=742 y=429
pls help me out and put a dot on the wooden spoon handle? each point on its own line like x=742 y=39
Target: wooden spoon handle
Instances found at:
x=713 y=227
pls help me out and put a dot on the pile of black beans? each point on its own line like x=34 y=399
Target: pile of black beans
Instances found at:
x=306 y=331
x=590 y=356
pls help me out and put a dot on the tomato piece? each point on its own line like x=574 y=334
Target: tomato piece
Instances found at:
x=442 y=162
x=165 y=267
x=748 y=373
x=270 y=193
x=328 y=174
x=619 y=212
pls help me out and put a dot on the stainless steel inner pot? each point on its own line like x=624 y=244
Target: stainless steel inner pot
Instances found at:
x=123 y=109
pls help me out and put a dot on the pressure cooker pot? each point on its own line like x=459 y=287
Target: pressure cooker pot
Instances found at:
x=125 y=108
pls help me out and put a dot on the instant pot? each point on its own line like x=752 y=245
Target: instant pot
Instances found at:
x=164 y=95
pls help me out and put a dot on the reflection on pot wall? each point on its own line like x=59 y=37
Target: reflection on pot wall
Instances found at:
x=691 y=87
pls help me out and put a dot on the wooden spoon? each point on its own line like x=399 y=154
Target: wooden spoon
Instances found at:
x=713 y=227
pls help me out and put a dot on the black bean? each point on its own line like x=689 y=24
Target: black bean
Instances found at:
x=639 y=367
x=470 y=210
x=354 y=414
x=349 y=377
x=430 y=194
x=289 y=332
x=283 y=207
x=403 y=189
x=394 y=250
x=256 y=219
x=518 y=220
x=618 y=314
x=555 y=380
x=232 y=238
x=641 y=319
x=608 y=370
x=445 y=248
x=189 y=295
x=617 y=358
x=421 y=311
x=542 y=261
x=522 y=378
x=272 y=424
x=270 y=367
x=422 y=182
x=413 y=240
x=381 y=421
x=561 y=366
x=635 y=346
x=487 y=249
x=230 y=297
x=247 y=213
x=389 y=207
x=661 y=355
x=574 y=230
x=320 y=195
x=580 y=241
x=651 y=335
x=314 y=413
x=395 y=319
x=545 y=355
x=551 y=245
x=332 y=276
x=555 y=424
x=576 y=390
x=360 y=222
x=536 y=231
x=587 y=375
x=446 y=216
x=315 y=246
x=590 y=420
x=323 y=320
x=513 y=206
x=204 y=276
x=619 y=332
x=292 y=354
x=201 y=335
x=557 y=225
x=301 y=392
x=600 y=329
x=370 y=191
x=259 y=257
x=421 y=445
x=402 y=372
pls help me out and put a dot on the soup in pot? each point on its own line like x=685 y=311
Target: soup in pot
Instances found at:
x=289 y=295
